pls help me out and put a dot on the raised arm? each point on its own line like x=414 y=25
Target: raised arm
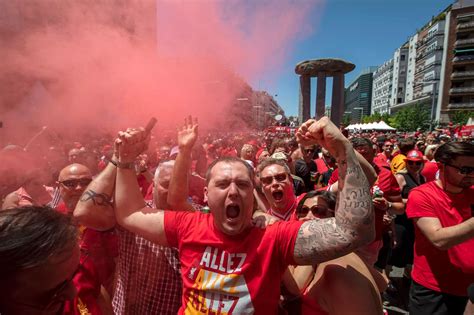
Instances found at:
x=131 y=212
x=353 y=224
x=178 y=188
x=95 y=208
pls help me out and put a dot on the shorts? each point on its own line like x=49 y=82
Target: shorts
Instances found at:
x=424 y=301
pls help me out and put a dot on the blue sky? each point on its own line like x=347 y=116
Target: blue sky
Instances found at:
x=364 y=32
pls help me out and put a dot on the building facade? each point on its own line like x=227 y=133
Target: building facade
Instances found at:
x=358 y=96
x=457 y=80
x=382 y=88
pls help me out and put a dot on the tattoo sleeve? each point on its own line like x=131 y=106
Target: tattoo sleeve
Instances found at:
x=99 y=199
x=353 y=225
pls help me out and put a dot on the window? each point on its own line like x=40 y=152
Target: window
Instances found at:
x=402 y=57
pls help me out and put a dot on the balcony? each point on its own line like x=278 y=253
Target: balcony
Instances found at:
x=460 y=75
x=464 y=42
x=462 y=90
x=463 y=59
x=461 y=106
x=464 y=27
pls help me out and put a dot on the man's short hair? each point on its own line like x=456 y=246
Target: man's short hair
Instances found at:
x=406 y=145
x=360 y=142
x=272 y=161
x=449 y=151
x=30 y=235
x=169 y=164
x=229 y=160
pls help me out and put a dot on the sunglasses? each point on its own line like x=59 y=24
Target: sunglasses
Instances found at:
x=268 y=180
x=72 y=183
x=462 y=170
x=317 y=211
x=414 y=163
x=309 y=150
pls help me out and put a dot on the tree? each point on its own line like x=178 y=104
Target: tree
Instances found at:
x=346 y=119
x=411 y=118
x=460 y=117
x=375 y=117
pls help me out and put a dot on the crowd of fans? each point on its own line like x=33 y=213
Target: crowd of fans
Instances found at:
x=310 y=222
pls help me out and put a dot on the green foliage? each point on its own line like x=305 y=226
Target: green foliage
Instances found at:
x=346 y=119
x=460 y=117
x=376 y=117
x=411 y=118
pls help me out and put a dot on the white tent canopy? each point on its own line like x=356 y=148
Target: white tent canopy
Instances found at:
x=381 y=125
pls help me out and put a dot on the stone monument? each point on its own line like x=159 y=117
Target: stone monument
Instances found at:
x=323 y=68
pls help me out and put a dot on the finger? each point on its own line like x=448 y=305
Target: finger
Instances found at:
x=151 y=123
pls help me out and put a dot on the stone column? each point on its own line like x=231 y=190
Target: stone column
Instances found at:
x=321 y=95
x=305 y=96
x=337 y=104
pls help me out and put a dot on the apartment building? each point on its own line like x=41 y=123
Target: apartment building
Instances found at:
x=457 y=77
x=381 y=88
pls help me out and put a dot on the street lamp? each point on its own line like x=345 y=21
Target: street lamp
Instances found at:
x=433 y=100
x=361 y=113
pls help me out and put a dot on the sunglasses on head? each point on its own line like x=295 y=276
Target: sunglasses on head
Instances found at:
x=72 y=183
x=317 y=211
x=417 y=163
x=267 y=180
x=463 y=170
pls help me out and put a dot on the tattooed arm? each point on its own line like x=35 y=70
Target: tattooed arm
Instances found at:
x=95 y=207
x=353 y=224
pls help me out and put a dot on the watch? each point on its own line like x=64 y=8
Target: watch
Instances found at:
x=126 y=165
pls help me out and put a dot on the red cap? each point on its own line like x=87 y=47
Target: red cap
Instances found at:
x=414 y=155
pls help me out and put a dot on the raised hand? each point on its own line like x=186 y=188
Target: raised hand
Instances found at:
x=131 y=143
x=324 y=133
x=188 y=134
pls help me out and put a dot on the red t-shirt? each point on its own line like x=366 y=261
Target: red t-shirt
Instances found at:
x=231 y=275
x=381 y=159
x=429 y=171
x=387 y=183
x=448 y=271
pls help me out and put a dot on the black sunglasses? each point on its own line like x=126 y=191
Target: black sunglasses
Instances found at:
x=317 y=211
x=72 y=183
x=269 y=179
x=462 y=170
x=414 y=163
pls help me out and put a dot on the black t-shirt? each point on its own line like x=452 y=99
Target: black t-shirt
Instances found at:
x=304 y=170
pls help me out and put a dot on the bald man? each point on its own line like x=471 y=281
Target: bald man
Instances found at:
x=98 y=248
x=72 y=181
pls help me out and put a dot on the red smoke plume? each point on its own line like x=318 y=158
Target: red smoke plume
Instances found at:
x=87 y=66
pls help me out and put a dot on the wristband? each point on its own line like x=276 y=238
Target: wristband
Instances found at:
x=114 y=163
x=126 y=165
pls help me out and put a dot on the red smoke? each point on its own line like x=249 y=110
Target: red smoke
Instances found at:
x=85 y=66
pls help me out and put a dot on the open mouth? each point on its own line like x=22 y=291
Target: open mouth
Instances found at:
x=277 y=195
x=232 y=211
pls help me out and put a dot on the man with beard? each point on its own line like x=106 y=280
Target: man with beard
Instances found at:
x=442 y=211
x=228 y=265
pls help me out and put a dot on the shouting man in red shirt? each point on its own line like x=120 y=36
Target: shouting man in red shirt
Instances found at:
x=227 y=264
